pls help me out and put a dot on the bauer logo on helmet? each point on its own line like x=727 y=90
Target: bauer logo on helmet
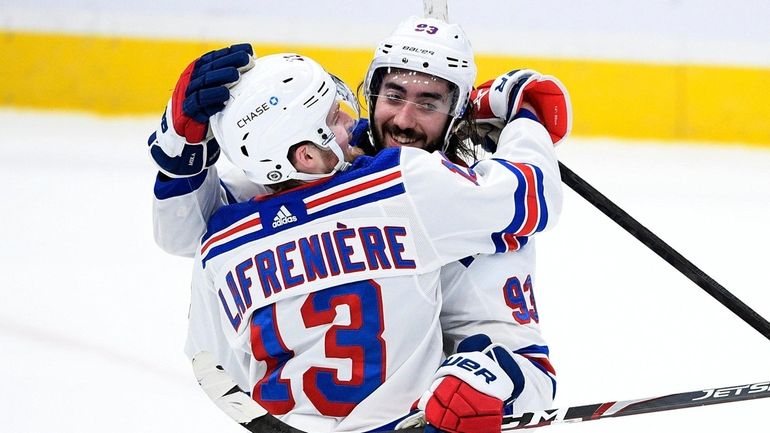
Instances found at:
x=418 y=50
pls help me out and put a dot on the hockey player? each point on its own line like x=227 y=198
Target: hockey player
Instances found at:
x=324 y=300
x=422 y=66
x=488 y=294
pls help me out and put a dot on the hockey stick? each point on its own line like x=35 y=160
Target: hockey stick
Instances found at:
x=262 y=422
x=231 y=399
x=666 y=252
x=436 y=9
x=248 y=413
x=613 y=409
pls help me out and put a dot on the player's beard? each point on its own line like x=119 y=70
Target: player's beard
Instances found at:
x=419 y=139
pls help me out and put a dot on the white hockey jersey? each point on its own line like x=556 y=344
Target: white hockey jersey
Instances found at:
x=325 y=301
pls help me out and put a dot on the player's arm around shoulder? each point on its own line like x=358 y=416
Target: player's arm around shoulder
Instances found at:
x=527 y=145
x=535 y=114
x=526 y=140
x=187 y=189
x=483 y=209
x=445 y=198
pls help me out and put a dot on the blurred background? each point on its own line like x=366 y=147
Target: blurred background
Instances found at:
x=671 y=122
x=671 y=69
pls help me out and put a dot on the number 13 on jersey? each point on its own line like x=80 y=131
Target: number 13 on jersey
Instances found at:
x=360 y=341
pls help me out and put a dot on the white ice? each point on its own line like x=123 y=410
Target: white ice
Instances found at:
x=93 y=314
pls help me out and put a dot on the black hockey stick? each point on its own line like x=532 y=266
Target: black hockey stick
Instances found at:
x=681 y=400
x=269 y=424
x=436 y=9
x=666 y=252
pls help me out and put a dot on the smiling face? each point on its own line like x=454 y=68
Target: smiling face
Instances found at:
x=411 y=109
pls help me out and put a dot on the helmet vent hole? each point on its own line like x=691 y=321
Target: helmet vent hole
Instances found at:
x=425 y=65
x=287 y=80
x=404 y=60
x=244 y=151
x=452 y=62
x=278 y=166
x=324 y=136
x=320 y=131
x=244 y=136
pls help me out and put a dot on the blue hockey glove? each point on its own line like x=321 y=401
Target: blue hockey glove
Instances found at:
x=182 y=146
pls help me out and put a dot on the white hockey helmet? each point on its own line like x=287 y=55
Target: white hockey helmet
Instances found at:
x=282 y=101
x=430 y=46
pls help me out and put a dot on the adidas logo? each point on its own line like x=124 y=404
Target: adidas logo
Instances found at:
x=283 y=217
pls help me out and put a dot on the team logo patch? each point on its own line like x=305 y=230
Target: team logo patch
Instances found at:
x=274 y=176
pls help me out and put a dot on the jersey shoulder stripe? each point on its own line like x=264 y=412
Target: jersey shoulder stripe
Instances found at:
x=507 y=242
x=251 y=223
x=531 y=214
x=347 y=191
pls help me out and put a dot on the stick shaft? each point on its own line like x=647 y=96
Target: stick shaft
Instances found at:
x=612 y=409
x=436 y=9
x=666 y=252
x=635 y=407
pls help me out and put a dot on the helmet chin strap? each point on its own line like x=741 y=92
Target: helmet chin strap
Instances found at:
x=449 y=129
x=341 y=165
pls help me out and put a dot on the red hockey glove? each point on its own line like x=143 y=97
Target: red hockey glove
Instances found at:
x=457 y=407
x=471 y=387
x=497 y=102
x=181 y=146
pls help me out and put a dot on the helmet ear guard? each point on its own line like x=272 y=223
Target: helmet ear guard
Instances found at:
x=284 y=100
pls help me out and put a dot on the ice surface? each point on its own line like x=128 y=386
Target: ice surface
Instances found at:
x=93 y=314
